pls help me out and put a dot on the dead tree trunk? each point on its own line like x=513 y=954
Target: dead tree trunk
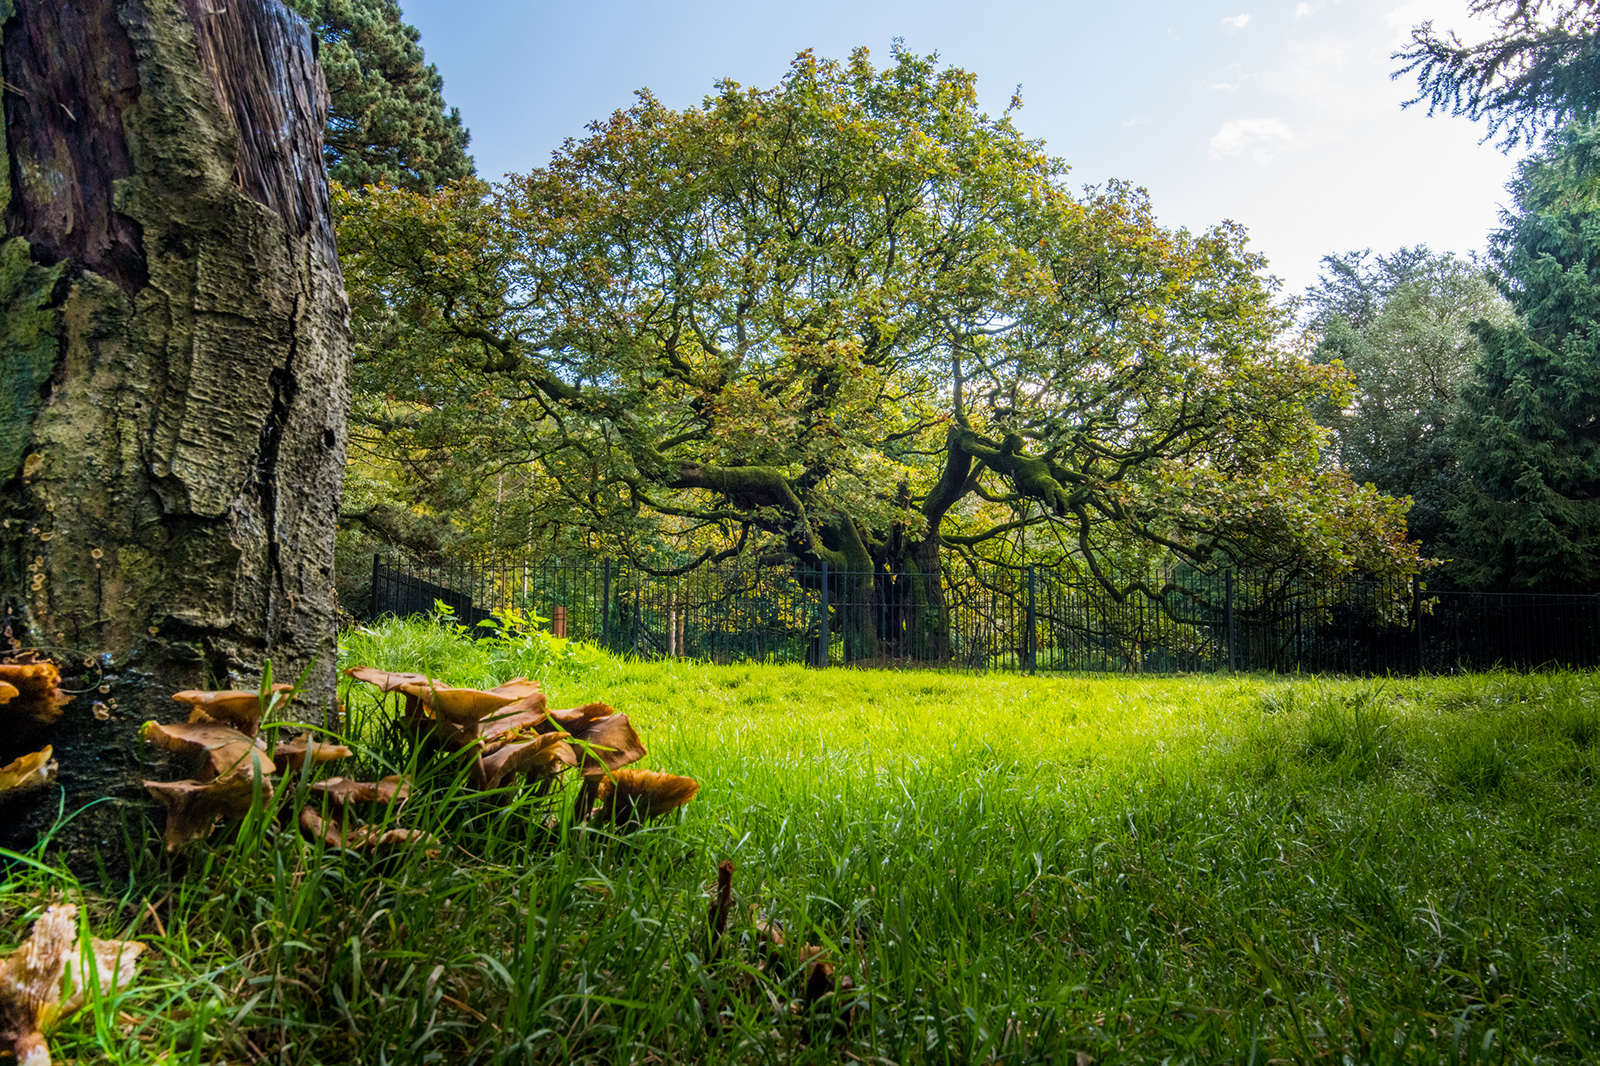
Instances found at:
x=174 y=387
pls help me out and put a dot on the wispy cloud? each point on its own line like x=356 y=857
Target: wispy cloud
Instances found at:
x=1304 y=10
x=1223 y=86
x=1262 y=134
x=1138 y=121
x=1238 y=22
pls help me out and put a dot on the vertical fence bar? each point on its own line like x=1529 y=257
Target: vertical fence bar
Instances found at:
x=1416 y=617
x=605 y=608
x=826 y=652
x=1227 y=594
x=1033 y=624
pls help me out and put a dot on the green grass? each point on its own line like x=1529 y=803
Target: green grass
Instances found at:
x=1009 y=869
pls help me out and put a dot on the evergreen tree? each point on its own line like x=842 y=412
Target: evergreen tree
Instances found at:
x=388 y=121
x=1530 y=421
x=1538 y=70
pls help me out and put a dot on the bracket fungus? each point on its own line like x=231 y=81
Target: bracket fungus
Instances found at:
x=31 y=694
x=27 y=772
x=48 y=978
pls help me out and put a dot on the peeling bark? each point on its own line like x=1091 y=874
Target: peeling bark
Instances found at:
x=175 y=361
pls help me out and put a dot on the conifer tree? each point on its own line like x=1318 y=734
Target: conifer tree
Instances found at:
x=1530 y=421
x=388 y=121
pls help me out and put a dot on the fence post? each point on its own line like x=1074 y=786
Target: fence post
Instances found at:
x=827 y=635
x=1596 y=644
x=1416 y=615
x=372 y=594
x=1228 y=600
x=1033 y=622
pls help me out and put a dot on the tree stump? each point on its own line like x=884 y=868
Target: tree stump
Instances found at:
x=174 y=385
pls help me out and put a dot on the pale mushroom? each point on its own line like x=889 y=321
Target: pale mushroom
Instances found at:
x=48 y=977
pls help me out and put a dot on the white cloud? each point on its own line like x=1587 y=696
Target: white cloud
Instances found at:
x=1241 y=133
x=1303 y=10
x=1223 y=86
x=1238 y=22
x=1139 y=121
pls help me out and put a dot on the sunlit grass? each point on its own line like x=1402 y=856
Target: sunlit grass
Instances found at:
x=1009 y=869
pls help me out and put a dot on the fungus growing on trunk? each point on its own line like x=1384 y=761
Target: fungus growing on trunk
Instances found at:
x=27 y=772
x=234 y=773
x=35 y=700
x=48 y=978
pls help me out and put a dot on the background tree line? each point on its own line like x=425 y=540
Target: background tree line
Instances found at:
x=853 y=319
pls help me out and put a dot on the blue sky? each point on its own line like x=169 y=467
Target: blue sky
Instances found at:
x=1280 y=116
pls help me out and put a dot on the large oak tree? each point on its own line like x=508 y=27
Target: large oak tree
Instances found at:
x=844 y=321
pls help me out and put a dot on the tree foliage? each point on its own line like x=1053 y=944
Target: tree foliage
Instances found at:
x=1538 y=70
x=1401 y=324
x=1530 y=427
x=387 y=122
x=850 y=319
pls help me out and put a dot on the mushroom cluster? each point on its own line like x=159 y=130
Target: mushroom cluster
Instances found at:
x=509 y=731
x=235 y=767
x=30 y=702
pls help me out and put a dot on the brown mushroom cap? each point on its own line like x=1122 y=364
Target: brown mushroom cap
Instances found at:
x=27 y=772
x=37 y=700
x=458 y=706
x=343 y=791
x=392 y=681
x=8 y=692
x=518 y=688
x=611 y=743
x=546 y=755
x=575 y=719
x=516 y=721
x=359 y=838
x=227 y=750
x=638 y=795
x=236 y=707
x=293 y=753
x=385 y=680
x=193 y=807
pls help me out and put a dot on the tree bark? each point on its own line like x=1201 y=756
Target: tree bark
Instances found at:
x=174 y=388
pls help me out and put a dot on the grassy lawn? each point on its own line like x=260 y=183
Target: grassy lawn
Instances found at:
x=1007 y=869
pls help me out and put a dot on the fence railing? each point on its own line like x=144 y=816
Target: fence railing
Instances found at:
x=1023 y=619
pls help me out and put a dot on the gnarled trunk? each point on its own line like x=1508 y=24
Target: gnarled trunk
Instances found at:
x=174 y=393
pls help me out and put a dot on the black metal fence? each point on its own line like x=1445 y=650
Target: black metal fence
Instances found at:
x=1025 y=619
